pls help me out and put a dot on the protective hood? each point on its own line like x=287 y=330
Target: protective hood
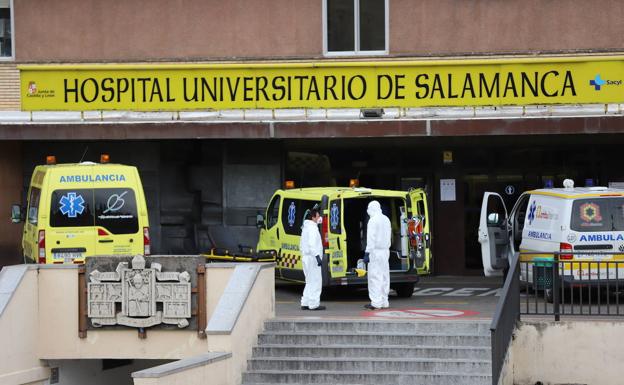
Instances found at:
x=374 y=208
x=309 y=223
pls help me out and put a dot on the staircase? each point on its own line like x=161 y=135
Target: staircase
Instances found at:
x=371 y=352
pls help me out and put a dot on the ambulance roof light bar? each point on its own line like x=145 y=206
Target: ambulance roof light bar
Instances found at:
x=568 y=185
x=50 y=159
x=104 y=158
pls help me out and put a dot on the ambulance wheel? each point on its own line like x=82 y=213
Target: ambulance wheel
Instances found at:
x=404 y=290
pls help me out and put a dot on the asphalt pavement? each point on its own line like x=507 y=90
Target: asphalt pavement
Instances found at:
x=435 y=298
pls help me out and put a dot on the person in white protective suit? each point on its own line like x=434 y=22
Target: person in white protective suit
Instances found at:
x=378 y=234
x=311 y=248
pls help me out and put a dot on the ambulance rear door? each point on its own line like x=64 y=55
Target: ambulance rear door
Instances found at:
x=116 y=210
x=336 y=238
x=71 y=234
x=419 y=231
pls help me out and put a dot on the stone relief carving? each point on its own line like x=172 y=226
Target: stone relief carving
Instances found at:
x=139 y=289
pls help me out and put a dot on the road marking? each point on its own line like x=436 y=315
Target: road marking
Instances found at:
x=420 y=313
x=457 y=292
x=466 y=291
x=444 y=303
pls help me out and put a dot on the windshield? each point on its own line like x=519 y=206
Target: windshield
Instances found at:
x=598 y=214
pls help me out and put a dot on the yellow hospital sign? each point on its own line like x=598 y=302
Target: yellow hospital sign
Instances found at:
x=328 y=84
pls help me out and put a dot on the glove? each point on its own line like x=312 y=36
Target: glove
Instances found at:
x=366 y=258
x=318 y=260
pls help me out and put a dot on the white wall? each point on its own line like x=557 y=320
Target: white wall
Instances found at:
x=578 y=352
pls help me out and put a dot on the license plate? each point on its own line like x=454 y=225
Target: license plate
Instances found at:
x=67 y=257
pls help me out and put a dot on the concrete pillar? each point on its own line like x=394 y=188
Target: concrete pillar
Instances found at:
x=11 y=175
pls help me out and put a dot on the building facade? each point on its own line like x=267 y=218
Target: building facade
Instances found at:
x=219 y=102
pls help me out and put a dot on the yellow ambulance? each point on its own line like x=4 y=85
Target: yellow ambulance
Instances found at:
x=83 y=209
x=343 y=232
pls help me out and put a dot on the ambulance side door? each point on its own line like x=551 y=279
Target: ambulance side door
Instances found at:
x=418 y=211
x=493 y=234
x=269 y=232
x=337 y=245
x=30 y=236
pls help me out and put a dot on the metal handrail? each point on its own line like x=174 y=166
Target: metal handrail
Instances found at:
x=572 y=284
x=506 y=316
x=554 y=274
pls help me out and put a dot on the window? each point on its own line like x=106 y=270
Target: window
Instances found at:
x=355 y=27
x=114 y=209
x=335 y=216
x=603 y=214
x=6 y=29
x=71 y=208
x=273 y=212
x=292 y=214
x=33 y=205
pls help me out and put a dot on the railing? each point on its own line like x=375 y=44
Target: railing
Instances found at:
x=557 y=284
x=572 y=284
x=505 y=318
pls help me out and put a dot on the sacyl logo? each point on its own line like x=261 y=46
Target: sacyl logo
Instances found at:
x=598 y=83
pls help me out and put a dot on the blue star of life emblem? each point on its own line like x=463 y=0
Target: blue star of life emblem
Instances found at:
x=291 y=214
x=72 y=205
x=597 y=82
x=334 y=216
x=532 y=212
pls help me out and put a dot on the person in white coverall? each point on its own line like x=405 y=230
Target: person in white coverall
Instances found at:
x=378 y=234
x=311 y=248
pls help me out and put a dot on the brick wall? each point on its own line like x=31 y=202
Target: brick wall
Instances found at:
x=9 y=87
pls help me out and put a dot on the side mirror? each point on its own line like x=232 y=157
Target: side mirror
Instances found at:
x=16 y=214
x=259 y=220
x=492 y=219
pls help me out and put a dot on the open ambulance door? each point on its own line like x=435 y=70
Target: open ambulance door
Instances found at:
x=418 y=231
x=336 y=251
x=493 y=234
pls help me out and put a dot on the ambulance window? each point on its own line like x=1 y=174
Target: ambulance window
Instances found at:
x=604 y=214
x=335 y=216
x=618 y=214
x=495 y=212
x=71 y=208
x=292 y=214
x=273 y=212
x=33 y=205
x=116 y=210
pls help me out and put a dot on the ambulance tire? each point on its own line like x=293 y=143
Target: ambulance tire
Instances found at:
x=404 y=290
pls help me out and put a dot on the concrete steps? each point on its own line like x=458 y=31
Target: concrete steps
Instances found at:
x=378 y=338
x=378 y=378
x=450 y=328
x=370 y=364
x=371 y=352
